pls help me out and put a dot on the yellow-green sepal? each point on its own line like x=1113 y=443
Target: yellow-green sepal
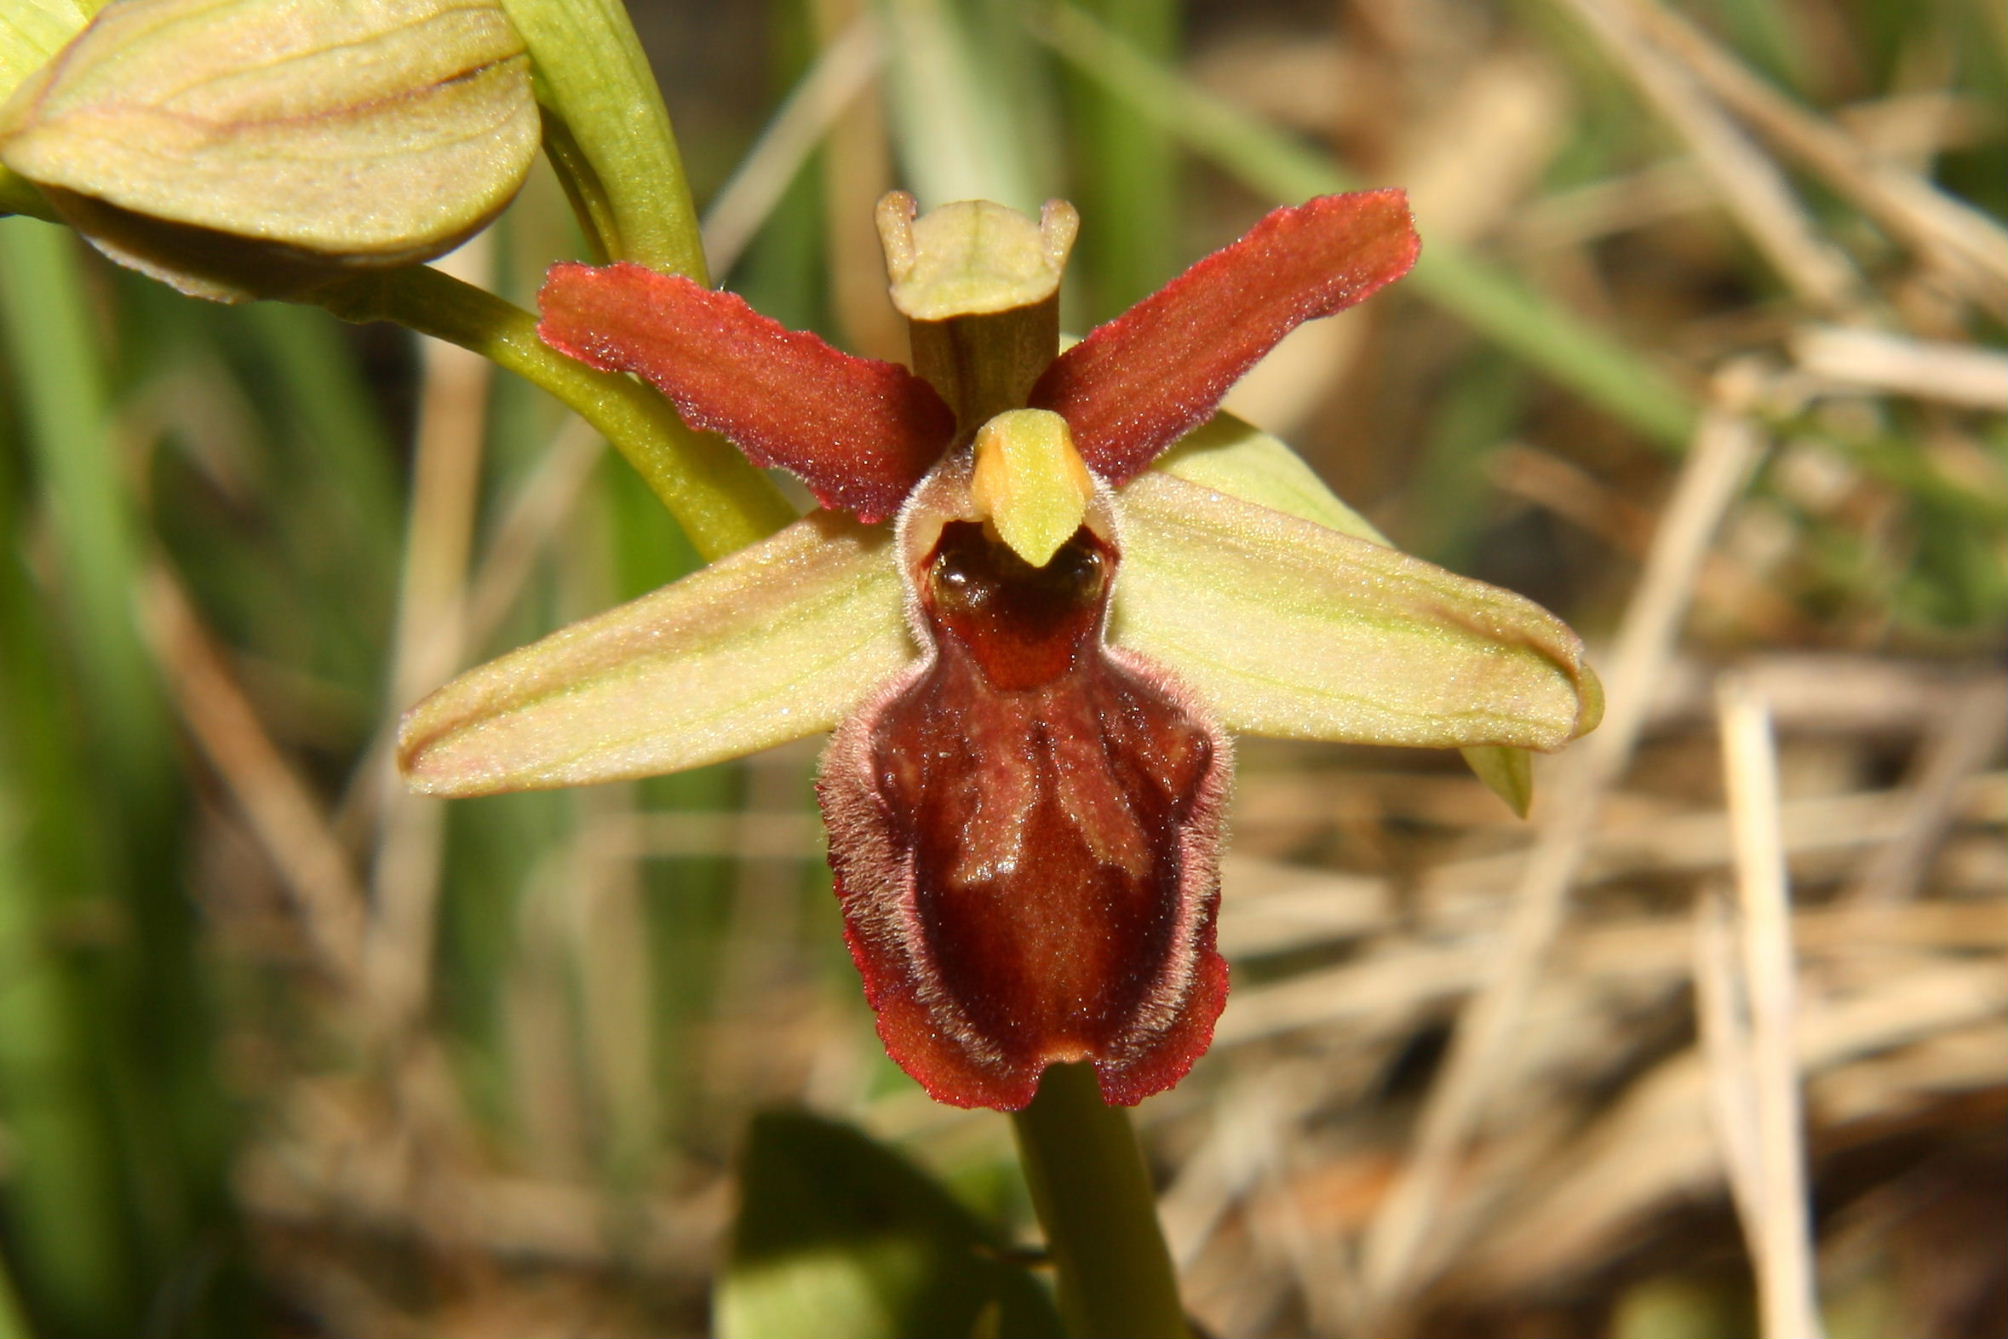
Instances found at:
x=32 y=31
x=1296 y=630
x=1232 y=456
x=775 y=642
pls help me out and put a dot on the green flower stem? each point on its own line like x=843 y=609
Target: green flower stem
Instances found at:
x=722 y=503
x=1094 y=1198
x=608 y=133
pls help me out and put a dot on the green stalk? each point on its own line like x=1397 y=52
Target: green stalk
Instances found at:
x=722 y=503
x=1094 y=1198
x=608 y=133
x=77 y=684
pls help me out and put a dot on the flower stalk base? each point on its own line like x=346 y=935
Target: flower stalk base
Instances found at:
x=1094 y=1199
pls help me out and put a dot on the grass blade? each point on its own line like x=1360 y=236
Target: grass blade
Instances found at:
x=1586 y=360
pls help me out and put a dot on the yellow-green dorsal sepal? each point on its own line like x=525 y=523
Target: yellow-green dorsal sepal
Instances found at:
x=979 y=285
x=972 y=257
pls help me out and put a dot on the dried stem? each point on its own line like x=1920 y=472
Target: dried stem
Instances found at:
x=1405 y=1242
x=1775 y=1215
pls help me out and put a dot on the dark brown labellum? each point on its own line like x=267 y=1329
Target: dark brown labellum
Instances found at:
x=1025 y=830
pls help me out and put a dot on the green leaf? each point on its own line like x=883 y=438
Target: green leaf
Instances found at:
x=1291 y=629
x=778 y=641
x=840 y=1237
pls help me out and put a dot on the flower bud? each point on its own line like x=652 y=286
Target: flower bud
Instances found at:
x=254 y=148
x=31 y=31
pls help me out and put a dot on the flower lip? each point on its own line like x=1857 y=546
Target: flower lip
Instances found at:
x=1025 y=824
x=1022 y=626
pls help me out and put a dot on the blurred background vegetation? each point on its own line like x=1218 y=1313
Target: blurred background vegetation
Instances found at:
x=1705 y=353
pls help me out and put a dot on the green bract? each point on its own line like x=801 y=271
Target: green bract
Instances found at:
x=775 y=642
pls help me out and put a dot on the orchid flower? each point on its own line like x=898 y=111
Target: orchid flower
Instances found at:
x=1030 y=643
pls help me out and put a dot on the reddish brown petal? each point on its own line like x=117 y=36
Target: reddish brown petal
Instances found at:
x=1025 y=830
x=1135 y=385
x=859 y=432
